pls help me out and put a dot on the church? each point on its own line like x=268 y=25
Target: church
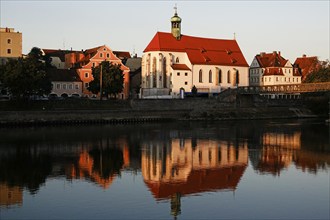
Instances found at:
x=173 y=64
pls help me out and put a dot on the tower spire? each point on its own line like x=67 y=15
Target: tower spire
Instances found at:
x=176 y=24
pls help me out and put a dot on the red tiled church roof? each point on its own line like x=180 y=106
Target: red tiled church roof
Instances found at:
x=199 y=181
x=200 y=50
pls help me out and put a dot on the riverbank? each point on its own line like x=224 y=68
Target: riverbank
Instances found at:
x=140 y=111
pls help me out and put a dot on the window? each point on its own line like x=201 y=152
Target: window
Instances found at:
x=101 y=54
x=276 y=79
x=86 y=85
x=86 y=75
x=8 y=51
x=200 y=75
x=210 y=76
x=178 y=73
x=237 y=77
x=58 y=86
x=186 y=83
x=70 y=86
x=228 y=76
x=9 y=41
x=64 y=86
x=93 y=64
x=177 y=60
x=108 y=55
x=220 y=77
x=164 y=72
x=77 y=86
x=186 y=74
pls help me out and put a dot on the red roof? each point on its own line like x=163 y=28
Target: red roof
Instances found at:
x=273 y=71
x=180 y=67
x=307 y=65
x=200 y=50
x=122 y=54
x=199 y=181
x=271 y=60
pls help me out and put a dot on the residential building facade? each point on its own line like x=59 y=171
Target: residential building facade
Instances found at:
x=272 y=69
x=11 y=44
x=173 y=63
x=84 y=61
x=65 y=83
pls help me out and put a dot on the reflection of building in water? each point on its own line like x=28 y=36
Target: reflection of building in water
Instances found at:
x=101 y=166
x=10 y=195
x=189 y=166
x=277 y=152
x=311 y=161
x=290 y=141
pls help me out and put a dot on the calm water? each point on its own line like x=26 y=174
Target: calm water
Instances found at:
x=237 y=170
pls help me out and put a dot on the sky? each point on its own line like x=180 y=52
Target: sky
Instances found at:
x=292 y=27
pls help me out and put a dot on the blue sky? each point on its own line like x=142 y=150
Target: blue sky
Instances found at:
x=292 y=27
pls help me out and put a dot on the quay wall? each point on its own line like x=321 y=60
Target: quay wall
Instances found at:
x=141 y=111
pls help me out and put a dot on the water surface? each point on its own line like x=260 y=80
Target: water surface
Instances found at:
x=187 y=170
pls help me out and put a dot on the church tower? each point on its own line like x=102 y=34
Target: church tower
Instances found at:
x=176 y=25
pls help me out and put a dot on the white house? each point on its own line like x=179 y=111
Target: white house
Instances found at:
x=172 y=62
x=272 y=69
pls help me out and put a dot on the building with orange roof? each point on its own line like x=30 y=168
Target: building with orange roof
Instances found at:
x=272 y=69
x=84 y=61
x=307 y=65
x=172 y=63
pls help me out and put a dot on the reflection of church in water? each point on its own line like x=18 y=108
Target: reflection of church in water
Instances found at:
x=189 y=166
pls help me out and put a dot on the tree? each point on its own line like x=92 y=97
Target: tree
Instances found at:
x=36 y=53
x=112 y=79
x=25 y=77
x=194 y=91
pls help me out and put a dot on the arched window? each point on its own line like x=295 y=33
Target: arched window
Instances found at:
x=228 y=76
x=154 y=76
x=177 y=60
x=237 y=77
x=200 y=76
x=164 y=73
x=219 y=76
x=210 y=76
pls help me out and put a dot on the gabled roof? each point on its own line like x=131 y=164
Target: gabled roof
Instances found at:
x=180 y=67
x=273 y=71
x=57 y=53
x=200 y=50
x=63 y=75
x=122 y=54
x=307 y=65
x=271 y=60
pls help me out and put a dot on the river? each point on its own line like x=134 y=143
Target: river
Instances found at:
x=262 y=169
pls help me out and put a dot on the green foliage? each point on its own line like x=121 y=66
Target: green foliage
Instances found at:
x=25 y=77
x=112 y=79
x=321 y=75
x=35 y=53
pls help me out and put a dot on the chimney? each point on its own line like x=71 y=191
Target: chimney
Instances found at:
x=304 y=55
x=279 y=53
x=274 y=52
x=262 y=54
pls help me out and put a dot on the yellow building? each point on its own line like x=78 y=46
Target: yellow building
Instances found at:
x=11 y=43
